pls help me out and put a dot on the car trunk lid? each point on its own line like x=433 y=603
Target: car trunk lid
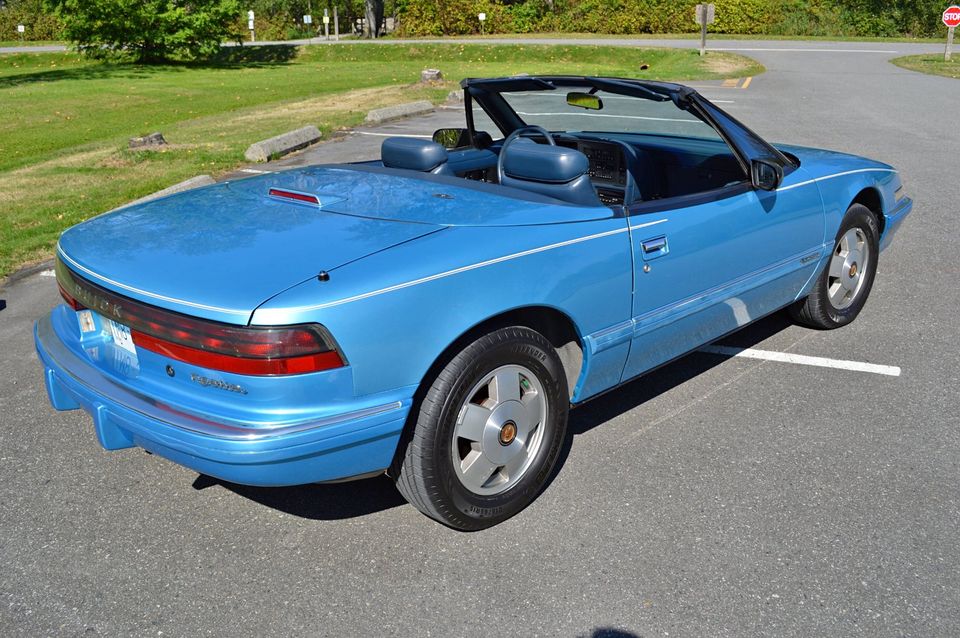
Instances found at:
x=221 y=251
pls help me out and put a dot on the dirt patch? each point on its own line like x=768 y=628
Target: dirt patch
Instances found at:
x=20 y=184
x=721 y=64
x=359 y=100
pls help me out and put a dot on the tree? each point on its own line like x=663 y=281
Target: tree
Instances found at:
x=373 y=12
x=149 y=30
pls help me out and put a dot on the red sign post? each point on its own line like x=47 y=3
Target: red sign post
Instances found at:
x=951 y=18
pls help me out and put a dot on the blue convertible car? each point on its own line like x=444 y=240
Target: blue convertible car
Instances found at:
x=434 y=314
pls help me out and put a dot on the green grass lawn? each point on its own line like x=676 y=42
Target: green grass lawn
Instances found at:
x=63 y=154
x=931 y=63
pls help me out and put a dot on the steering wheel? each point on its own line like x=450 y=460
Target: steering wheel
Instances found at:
x=513 y=137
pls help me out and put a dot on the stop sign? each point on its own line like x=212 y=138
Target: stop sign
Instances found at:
x=951 y=17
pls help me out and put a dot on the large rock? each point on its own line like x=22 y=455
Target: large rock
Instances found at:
x=431 y=75
x=281 y=145
x=148 y=141
x=377 y=116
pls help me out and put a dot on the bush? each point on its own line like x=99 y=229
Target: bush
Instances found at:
x=148 y=30
x=40 y=24
x=775 y=17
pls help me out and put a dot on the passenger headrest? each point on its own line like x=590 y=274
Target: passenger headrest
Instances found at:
x=542 y=163
x=412 y=153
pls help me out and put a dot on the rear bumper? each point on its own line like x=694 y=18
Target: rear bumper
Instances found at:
x=355 y=442
x=893 y=219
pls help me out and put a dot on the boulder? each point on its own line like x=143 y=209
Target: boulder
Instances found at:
x=431 y=75
x=148 y=141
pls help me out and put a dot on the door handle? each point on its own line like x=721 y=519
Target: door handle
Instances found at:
x=654 y=247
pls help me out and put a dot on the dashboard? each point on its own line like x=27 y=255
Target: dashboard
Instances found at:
x=608 y=167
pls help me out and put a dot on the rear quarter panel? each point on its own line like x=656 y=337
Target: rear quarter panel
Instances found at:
x=395 y=312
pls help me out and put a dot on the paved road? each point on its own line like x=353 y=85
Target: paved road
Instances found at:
x=714 y=497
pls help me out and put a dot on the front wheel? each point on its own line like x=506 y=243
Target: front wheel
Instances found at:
x=842 y=289
x=488 y=431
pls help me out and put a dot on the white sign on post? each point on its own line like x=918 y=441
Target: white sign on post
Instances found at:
x=21 y=28
x=704 y=16
x=308 y=19
x=253 y=37
x=710 y=11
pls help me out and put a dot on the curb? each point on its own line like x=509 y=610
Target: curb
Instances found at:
x=265 y=150
x=185 y=185
x=25 y=272
x=378 y=116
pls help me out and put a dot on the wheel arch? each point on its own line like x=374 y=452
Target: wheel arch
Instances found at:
x=871 y=198
x=555 y=325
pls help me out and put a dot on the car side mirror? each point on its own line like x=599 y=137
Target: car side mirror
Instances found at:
x=451 y=138
x=766 y=174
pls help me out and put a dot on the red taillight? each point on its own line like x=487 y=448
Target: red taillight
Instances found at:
x=73 y=303
x=253 y=350
x=306 y=198
x=239 y=365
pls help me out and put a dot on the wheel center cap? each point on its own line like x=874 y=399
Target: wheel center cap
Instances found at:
x=508 y=433
x=853 y=270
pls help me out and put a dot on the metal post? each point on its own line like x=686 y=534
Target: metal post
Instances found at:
x=702 y=9
x=336 y=24
x=949 y=50
x=326 y=24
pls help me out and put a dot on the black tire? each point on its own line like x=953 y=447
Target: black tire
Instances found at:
x=425 y=473
x=817 y=310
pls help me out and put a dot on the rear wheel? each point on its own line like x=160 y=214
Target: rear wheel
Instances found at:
x=842 y=289
x=488 y=431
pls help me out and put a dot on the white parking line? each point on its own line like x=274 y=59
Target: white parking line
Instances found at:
x=254 y=171
x=786 y=357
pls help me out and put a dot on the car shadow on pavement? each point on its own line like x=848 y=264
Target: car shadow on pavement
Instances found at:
x=336 y=501
x=610 y=632
x=319 y=501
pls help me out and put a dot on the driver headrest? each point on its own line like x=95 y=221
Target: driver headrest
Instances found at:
x=542 y=163
x=412 y=153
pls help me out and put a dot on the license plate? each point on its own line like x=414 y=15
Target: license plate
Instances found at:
x=121 y=335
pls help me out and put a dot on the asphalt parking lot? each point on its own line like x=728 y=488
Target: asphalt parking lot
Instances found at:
x=717 y=496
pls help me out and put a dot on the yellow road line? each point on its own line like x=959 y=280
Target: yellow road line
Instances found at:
x=746 y=82
x=732 y=82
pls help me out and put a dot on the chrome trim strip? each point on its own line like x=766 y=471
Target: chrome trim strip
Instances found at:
x=826 y=177
x=610 y=337
x=117 y=284
x=461 y=269
x=99 y=384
